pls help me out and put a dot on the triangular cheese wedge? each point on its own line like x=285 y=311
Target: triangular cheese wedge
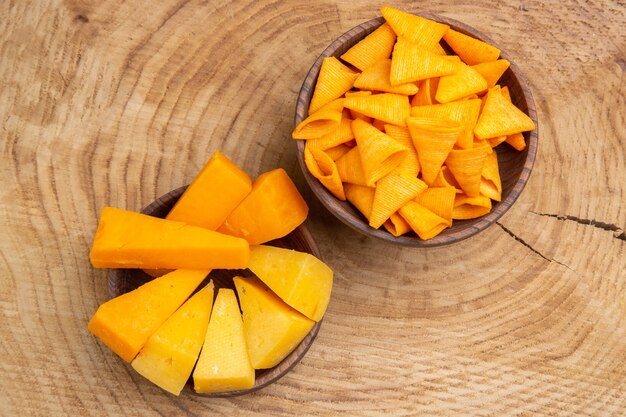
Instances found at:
x=126 y=322
x=361 y=197
x=500 y=117
x=423 y=221
x=463 y=83
x=125 y=239
x=424 y=32
x=333 y=81
x=467 y=165
x=169 y=355
x=433 y=140
x=470 y=207
x=410 y=165
x=492 y=71
x=350 y=168
x=374 y=47
x=439 y=200
x=224 y=364
x=322 y=167
x=272 y=328
x=388 y=108
x=376 y=78
x=465 y=112
x=324 y=121
x=380 y=154
x=410 y=62
x=392 y=192
x=471 y=50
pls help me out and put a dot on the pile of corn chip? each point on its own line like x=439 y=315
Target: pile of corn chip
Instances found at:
x=408 y=139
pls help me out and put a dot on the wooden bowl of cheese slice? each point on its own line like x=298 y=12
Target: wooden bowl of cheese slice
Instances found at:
x=513 y=166
x=121 y=281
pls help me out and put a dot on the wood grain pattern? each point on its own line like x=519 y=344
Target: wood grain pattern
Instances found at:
x=116 y=103
x=122 y=281
x=515 y=167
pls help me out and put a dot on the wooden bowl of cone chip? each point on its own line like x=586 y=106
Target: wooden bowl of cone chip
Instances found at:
x=124 y=280
x=515 y=166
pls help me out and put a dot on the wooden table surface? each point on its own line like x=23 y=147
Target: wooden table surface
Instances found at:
x=116 y=103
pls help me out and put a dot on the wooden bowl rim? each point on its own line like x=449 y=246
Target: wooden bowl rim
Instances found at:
x=268 y=376
x=449 y=236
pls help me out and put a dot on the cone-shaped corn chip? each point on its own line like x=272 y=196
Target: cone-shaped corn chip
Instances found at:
x=423 y=32
x=350 y=168
x=463 y=83
x=446 y=179
x=470 y=207
x=320 y=123
x=380 y=154
x=492 y=71
x=410 y=165
x=465 y=112
x=517 y=141
x=341 y=134
x=490 y=185
x=439 y=200
x=358 y=93
x=438 y=50
x=505 y=92
x=361 y=197
x=426 y=92
x=374 y=47
x=322 y=167
x=333 y=81
x=392 y=192
x=470 y=50
x=338 y=151
x=376 y=78
x=356 y=114
x=410 y=62
x=500 y=117
x=467 y=165
x=493 y=142
x=389 y=108
x=433 y=140
x=396 y=225
x=423 y=221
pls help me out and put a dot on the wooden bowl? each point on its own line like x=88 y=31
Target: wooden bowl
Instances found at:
x=515 y=166
x=123 y=280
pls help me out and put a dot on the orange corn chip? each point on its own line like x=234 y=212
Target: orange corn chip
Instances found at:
x=322 y=167
x=341 y=134
x=433 y=140
x=396 y=225
x=505 y=92
x=492 y=71
x=378 y=124
x=410 y=62
x=438 y=50
x=376 y=78
x=338 y=151
x=500 y=117
x=333 y=81
x=374 y=47
x=439 y=200
x=350 y=168
x=426 y=92
x=470 y=50
x=493 y=142
x=392 y=192
x=467 y=165
x=389 y=108
x=423 y=221
x=361 y=197
x=423 y=32
x=470 y=207
x=320 y=123
x=410 y=165
x=465 y=82
x=490 y=185
x=356 y=114
x=465 y=112
x=446 y=179
x=358 y=93
x=517 y=141
x=380 y=154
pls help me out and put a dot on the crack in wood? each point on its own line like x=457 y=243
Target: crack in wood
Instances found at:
x=618 y=233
